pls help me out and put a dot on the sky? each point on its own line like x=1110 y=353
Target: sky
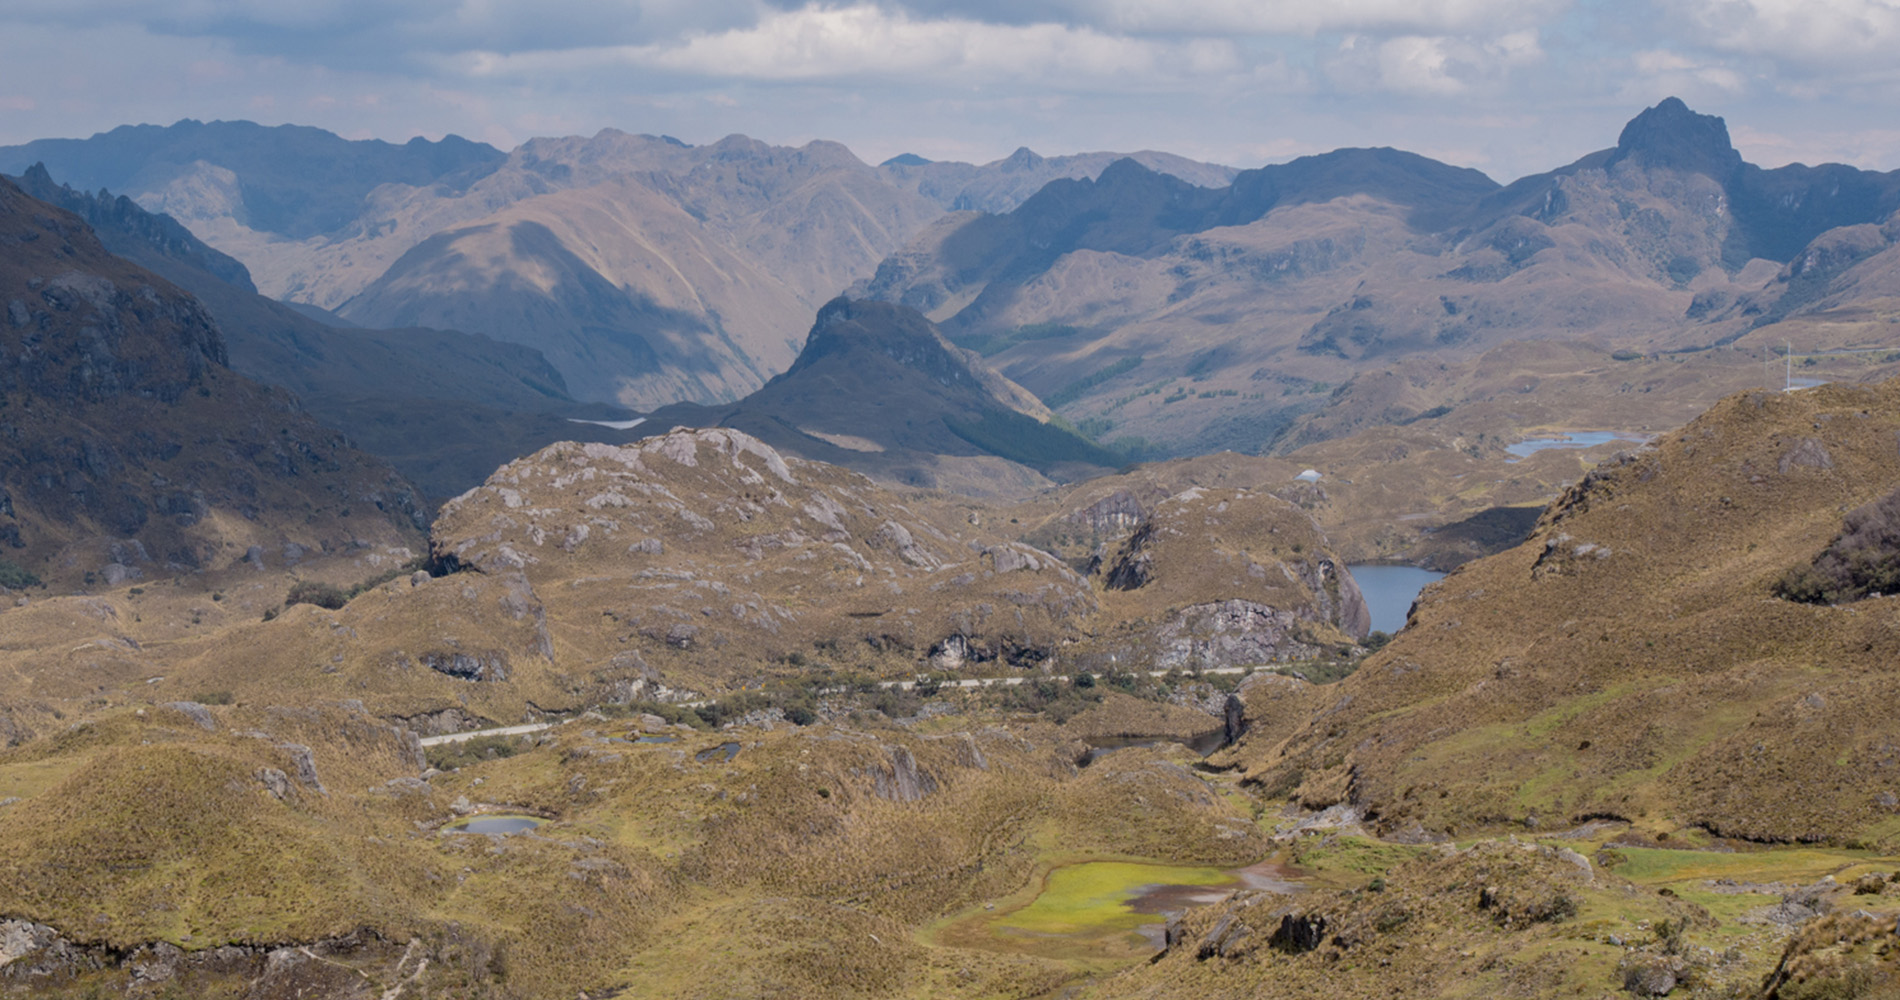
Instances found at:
x=1509 y=87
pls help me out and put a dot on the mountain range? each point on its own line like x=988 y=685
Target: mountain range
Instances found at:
x=1199 y=318
x=646 y=270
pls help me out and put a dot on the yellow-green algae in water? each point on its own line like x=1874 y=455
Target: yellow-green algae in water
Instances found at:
x=1093 y=897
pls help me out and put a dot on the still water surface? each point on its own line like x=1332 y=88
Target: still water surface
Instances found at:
x=1390 y=591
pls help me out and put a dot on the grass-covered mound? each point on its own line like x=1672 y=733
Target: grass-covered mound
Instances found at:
x=1630 y=660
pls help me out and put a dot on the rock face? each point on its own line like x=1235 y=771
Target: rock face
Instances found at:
x=877 y=388
x=130 y=449
x=443 y=406
x=766 y=560
x=1232 y=578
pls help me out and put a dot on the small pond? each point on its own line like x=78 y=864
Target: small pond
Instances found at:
x=1573 y=439
x=1111 y=909
x=717 y=755
x=1390 y=591
x=1201 y=745
x=653 y=738
x=500 y=825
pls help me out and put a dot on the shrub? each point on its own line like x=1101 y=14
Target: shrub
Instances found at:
x=1862 y=561
x=14 y=576
x=323 y=595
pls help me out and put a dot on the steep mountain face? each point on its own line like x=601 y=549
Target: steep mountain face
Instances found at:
x=1201 y=319
x=1633 y=659
x=446 y=408
x=649 y=272
x=130 y=449
x=877 y=388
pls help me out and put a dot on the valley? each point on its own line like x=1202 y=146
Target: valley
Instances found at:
x=621 y=568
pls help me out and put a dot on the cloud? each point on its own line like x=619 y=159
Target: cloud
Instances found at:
x=1814 y=33
x=835 y=43
x=1306 y=17
x=1660 y=71
x=1431 y=66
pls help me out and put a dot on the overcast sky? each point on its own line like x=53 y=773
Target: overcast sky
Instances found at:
x=1507 y=86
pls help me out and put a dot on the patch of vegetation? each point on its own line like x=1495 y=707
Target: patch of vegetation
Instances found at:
x=332 y=597
x=1051 y=697
x=449 y=756
x=1029 y=441
x=1074 y=390
x=323 y=595
x=14 y=576
x=213 y=697
x=1862 y=561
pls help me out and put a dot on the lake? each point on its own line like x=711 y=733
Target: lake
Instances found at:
x=1390 y=591
x=1572 y=439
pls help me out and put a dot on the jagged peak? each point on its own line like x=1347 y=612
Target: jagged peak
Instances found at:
x=1672 y=136
x=1023 y=158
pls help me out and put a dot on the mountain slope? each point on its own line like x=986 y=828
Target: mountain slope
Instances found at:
x=444 y=407
x=131 y=449
x=878 y=389
x=1633 y=659
x=1204 y=320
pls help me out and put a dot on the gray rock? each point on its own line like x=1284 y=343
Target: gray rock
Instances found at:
x=19 y=939
x=492 y=666
x=1653 y=976
x=306 y=765
x=195 y=712
x=1298 y=932
x=1211 y=941
x=904 y=781
x=275 y=782
x=155 y=964
x=1807 y=453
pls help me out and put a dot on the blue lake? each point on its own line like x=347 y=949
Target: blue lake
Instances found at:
x=1390 y=590
x=1574 y=439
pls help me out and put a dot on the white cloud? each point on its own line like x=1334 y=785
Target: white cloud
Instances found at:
x=1660 y=71
x=1307 y=17
x=824 y=43
x=1817 y=33
x=1432 y=66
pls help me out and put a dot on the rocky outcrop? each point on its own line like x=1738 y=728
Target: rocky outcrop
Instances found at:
x=125 y=432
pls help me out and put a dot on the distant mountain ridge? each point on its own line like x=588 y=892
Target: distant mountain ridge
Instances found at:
x=1207 y=319
x=646 y=269
x=290 y=180
x=443 y=406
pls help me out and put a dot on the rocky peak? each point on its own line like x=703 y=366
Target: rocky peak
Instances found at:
x=1023 y=158
x=1673 y=137
x=845 y=327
